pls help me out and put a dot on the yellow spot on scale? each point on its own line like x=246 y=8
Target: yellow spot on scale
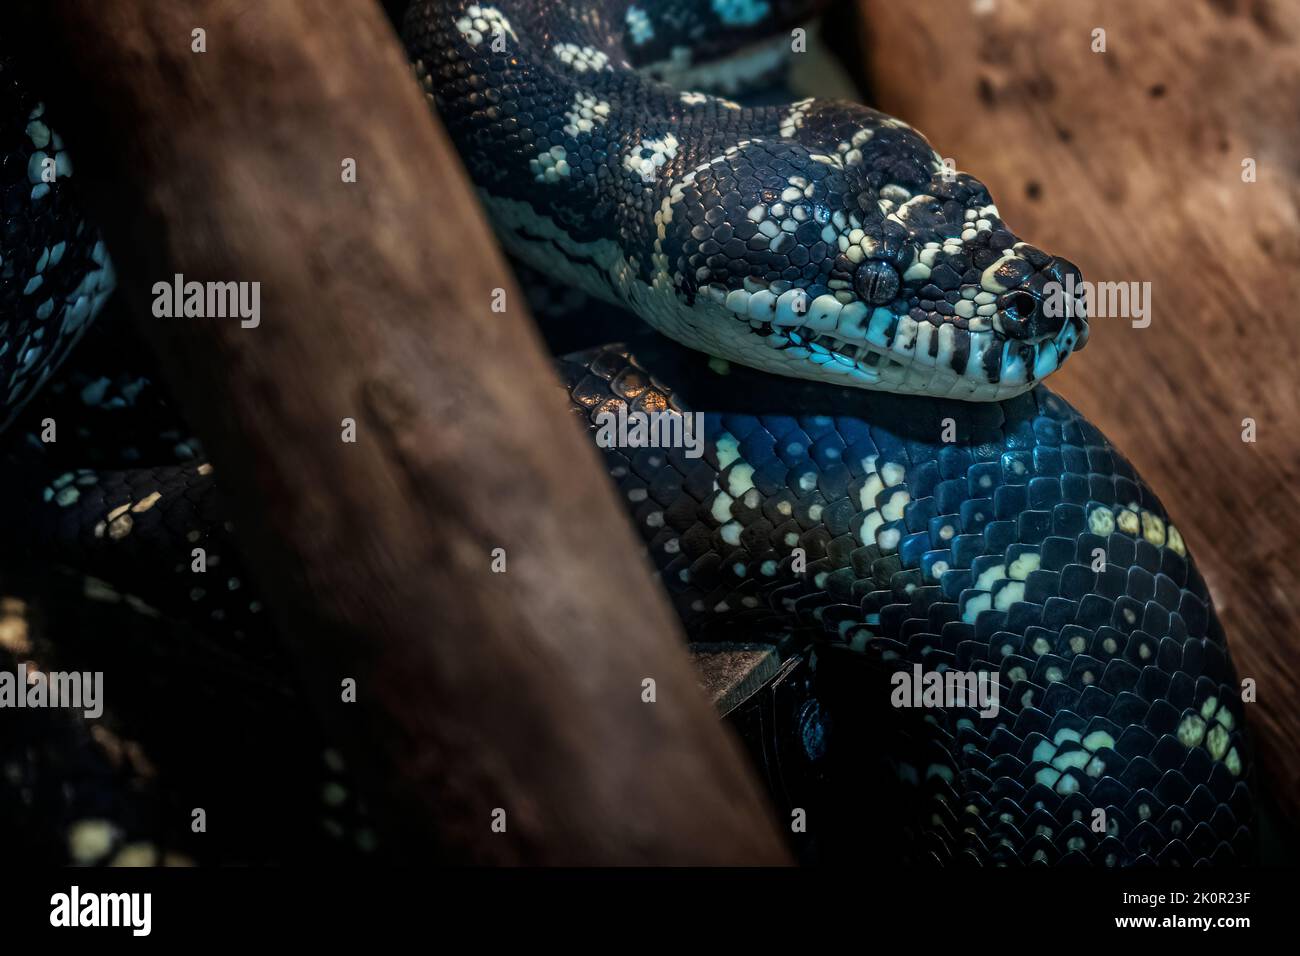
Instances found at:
x=1174 y=541
x=1023 y=566
x=1233 y=762
x=89 y=840
x=144 y=504
x=1191 y=731
x=1101 y=522
x=1153 y=529
x=1128 y=522
x=1216 y=742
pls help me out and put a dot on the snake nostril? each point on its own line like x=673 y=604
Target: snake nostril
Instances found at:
x=1017 y=309
x=1023 y=303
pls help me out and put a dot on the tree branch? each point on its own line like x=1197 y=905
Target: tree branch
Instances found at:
x=476 y=690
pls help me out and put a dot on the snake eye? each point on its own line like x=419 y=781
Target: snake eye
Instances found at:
x=876 y=282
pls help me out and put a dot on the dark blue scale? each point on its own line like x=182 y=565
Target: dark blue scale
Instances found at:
x=1098 y=669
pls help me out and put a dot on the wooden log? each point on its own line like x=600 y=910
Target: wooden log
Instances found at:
x=1130 y=163
x=475 y=691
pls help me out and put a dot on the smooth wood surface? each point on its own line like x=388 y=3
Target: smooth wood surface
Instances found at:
x=476 y=690
x=1129 y=163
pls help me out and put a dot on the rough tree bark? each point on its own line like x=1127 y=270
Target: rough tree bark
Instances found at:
x=1130 y=163
x=476 y=690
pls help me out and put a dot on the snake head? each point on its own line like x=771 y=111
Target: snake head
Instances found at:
x=878 y=268
x=946 y=299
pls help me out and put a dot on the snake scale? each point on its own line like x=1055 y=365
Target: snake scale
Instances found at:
x=883 y=488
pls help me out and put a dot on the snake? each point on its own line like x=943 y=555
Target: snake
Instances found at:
x=884 y=499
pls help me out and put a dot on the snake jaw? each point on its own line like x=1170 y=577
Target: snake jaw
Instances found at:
x=775 y=328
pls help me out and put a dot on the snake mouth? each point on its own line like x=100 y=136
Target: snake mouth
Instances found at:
x=855 y=344
x=976 y=364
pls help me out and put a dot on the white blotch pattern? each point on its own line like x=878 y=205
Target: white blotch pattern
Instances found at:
x=880 y=478
x=639 y=27
x=851 y=152
x=1137 y=522
x=483 y=22
x=550 y=166
x=586 y=113
x=647 y=166
x=580 y=59
x=794 y=119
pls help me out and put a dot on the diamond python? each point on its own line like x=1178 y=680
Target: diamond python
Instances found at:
x=867 y=298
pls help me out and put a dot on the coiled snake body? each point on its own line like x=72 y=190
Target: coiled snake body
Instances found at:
x=884 y=487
